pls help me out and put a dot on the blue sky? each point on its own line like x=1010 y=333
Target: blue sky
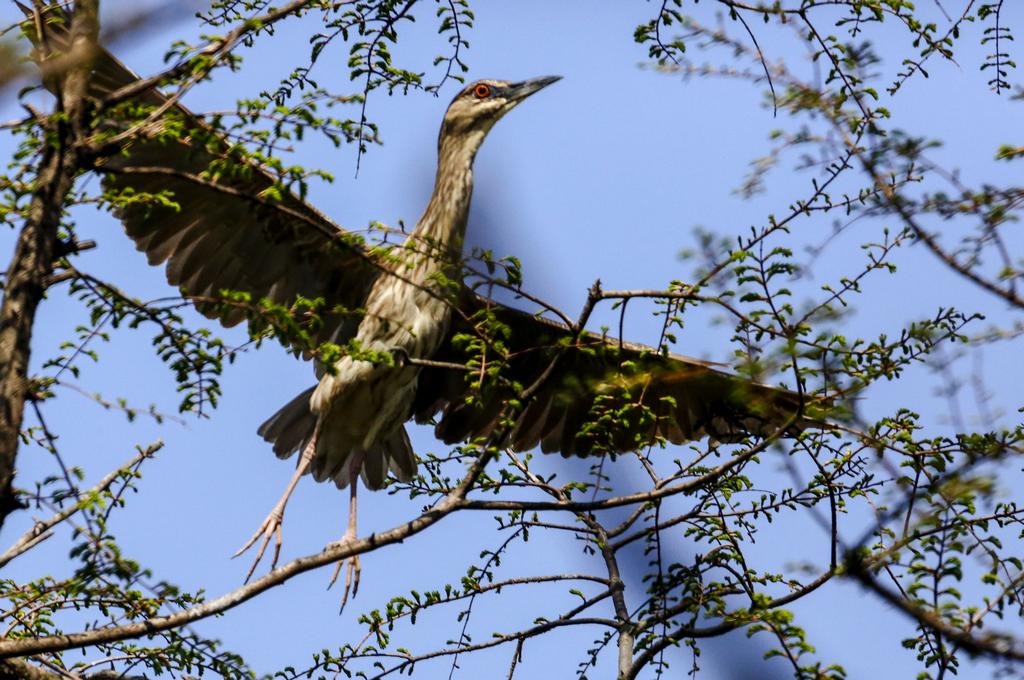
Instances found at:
x=604 y=174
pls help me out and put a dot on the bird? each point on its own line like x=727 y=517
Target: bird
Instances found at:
x=410 y=303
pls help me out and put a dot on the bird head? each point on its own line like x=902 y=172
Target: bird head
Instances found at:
x=475 y=110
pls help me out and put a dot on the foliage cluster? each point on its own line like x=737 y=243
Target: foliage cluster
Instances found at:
x=920 y=515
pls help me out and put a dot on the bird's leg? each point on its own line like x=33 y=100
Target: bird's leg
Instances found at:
x=271 y=526
x=353 y=570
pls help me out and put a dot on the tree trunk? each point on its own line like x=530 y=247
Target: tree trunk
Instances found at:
x=33 y=256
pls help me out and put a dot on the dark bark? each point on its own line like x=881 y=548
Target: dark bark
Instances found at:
x=16 y=669
x=33 y=257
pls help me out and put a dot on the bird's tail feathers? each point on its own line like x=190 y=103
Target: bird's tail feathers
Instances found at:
x=291 y=428
x=399 y=454
x=393 y=454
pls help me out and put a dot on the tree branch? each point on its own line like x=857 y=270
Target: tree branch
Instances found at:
x=215 y=49
x=632 y=499
x=331 y=554
x=40 y=531
x=32 y=262
x=993 y=644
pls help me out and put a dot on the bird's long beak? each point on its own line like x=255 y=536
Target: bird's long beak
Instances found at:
x=521 y=91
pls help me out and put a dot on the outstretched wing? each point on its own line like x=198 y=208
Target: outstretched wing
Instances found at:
x=219 y=221
x=595 y=394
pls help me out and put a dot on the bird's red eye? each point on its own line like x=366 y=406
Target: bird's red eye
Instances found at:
x=482 y=91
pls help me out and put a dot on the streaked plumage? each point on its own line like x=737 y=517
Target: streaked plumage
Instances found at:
x=227 y=235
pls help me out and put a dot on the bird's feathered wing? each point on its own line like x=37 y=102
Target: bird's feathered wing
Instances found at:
x=225 y=225
x=594 y=394
x=222 y=231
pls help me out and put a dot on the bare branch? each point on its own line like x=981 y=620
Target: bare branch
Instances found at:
x=41 y=531
x=331 y=554
x=215 y=49
x=999 y=645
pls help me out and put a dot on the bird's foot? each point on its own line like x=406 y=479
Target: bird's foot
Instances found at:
x=271 y=528
x=352 y=572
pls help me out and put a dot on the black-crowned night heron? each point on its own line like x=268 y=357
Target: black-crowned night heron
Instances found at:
x=225 y=234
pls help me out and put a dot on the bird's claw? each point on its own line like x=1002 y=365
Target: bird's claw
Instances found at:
x=271 y=528
x=351 y=572
x=351 y=578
